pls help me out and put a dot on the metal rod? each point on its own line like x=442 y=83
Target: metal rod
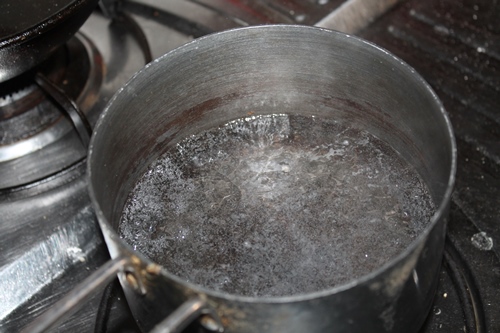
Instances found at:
x=354 y=15
x=185 y=314
x=76 y=298
x=130 y=24
x=78 y=118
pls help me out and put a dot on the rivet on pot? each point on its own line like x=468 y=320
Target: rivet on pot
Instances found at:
x=153 y=269
x=131 y=280
x=211 y=324
x=134 y=283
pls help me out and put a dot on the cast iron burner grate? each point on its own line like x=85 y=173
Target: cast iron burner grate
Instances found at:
x=31 y=119
x=25 y=109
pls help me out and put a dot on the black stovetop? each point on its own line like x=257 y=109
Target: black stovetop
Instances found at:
x=454 y=45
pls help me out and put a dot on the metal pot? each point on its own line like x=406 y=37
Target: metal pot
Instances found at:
x=269 y=69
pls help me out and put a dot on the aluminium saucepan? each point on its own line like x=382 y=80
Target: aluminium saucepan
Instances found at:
x=266 y=69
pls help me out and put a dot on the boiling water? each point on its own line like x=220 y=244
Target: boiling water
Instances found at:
x=276 y=205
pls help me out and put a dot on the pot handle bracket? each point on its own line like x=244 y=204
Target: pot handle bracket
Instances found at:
x=194 y=308
x=78 y=296
x=190 y=310
x=132 y=268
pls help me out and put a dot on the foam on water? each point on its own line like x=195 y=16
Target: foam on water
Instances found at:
x=276 y=205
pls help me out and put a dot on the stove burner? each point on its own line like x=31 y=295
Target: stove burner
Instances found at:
x=31 y=121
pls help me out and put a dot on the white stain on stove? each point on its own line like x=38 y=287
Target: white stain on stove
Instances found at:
x=21 y=279
x=442 y=29
x=482 y=241
x=75 y=253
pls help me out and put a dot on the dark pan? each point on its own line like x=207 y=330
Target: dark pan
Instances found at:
x=31 y=30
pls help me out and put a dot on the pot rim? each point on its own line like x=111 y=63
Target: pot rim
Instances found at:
x=439 y=214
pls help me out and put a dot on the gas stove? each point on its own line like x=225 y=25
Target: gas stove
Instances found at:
x=49 y=238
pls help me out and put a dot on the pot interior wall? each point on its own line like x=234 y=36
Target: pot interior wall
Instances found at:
x=266 y=70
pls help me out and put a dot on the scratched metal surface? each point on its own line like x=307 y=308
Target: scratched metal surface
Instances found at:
x=455 y=45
